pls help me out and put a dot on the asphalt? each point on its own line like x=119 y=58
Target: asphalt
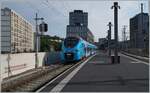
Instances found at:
x=99 y=75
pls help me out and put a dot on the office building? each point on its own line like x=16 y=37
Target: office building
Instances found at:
x=78 y=26
x=139 y=31
x=78 y=18
x=16 y=32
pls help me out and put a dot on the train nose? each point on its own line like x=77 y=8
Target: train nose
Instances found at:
x=69 y=56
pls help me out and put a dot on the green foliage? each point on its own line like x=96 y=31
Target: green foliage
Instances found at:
x=48 y=42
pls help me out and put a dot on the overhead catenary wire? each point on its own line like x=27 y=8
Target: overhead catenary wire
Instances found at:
x=50 y=6
x=35 y=8
x=32 y=6
x=43 y=13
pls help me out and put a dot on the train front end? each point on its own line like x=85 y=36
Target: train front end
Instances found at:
x=70 y=49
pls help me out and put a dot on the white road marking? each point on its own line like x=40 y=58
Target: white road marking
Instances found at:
x=95 y=62
x=139 y=61
x=134 y=62
x=63 y=83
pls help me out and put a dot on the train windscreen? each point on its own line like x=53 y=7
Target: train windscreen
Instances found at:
x=70 y=42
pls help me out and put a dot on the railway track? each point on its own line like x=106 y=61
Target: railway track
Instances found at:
x=33 y=81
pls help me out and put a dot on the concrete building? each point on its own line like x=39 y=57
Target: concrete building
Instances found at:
x=80 y=31
x=139 y=31
x=124 y=45
x=78 y=18
x=78 y=26
x=102 y=41
x=16 y=32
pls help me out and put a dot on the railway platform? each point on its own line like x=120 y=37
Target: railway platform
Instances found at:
x=98 y=75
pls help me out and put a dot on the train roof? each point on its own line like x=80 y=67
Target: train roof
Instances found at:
x=85 y=42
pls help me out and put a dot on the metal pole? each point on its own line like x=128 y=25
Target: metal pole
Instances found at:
x=37 y=37
x=9 y=69
x=124 y=36
x=8 y=60
x=109 y=38
x=122 y=40
x=142 y=22
x=141 y=7
x=116 y=29
x=36 y=46
x=142 y=30
x=144 y=33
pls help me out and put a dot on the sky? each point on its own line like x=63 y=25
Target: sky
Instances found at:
x=56 y=14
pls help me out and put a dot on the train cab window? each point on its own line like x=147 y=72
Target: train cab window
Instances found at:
x=71 y=42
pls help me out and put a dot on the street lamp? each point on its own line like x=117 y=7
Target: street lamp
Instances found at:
x=115 y=6
x=109 y=38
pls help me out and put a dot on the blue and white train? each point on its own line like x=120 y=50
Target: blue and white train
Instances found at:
x=75 y=49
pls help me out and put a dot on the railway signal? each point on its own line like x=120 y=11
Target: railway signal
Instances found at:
x=43 y=27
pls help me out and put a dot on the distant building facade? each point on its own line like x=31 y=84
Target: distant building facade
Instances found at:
x=102 y=40
x=102 y=43
x=78 y=18
x=78 y=26
x=124 y=44
x=16 y=32
x=139 y=31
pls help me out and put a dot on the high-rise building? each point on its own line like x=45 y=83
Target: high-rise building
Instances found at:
x=78 y=26
x=139 y=31
x=16 y=32
x=78 y=18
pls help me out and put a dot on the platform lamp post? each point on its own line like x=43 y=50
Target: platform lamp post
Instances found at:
x=116 y=30
x=109 y=38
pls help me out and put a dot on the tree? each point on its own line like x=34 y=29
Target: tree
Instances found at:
x=48 y=41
